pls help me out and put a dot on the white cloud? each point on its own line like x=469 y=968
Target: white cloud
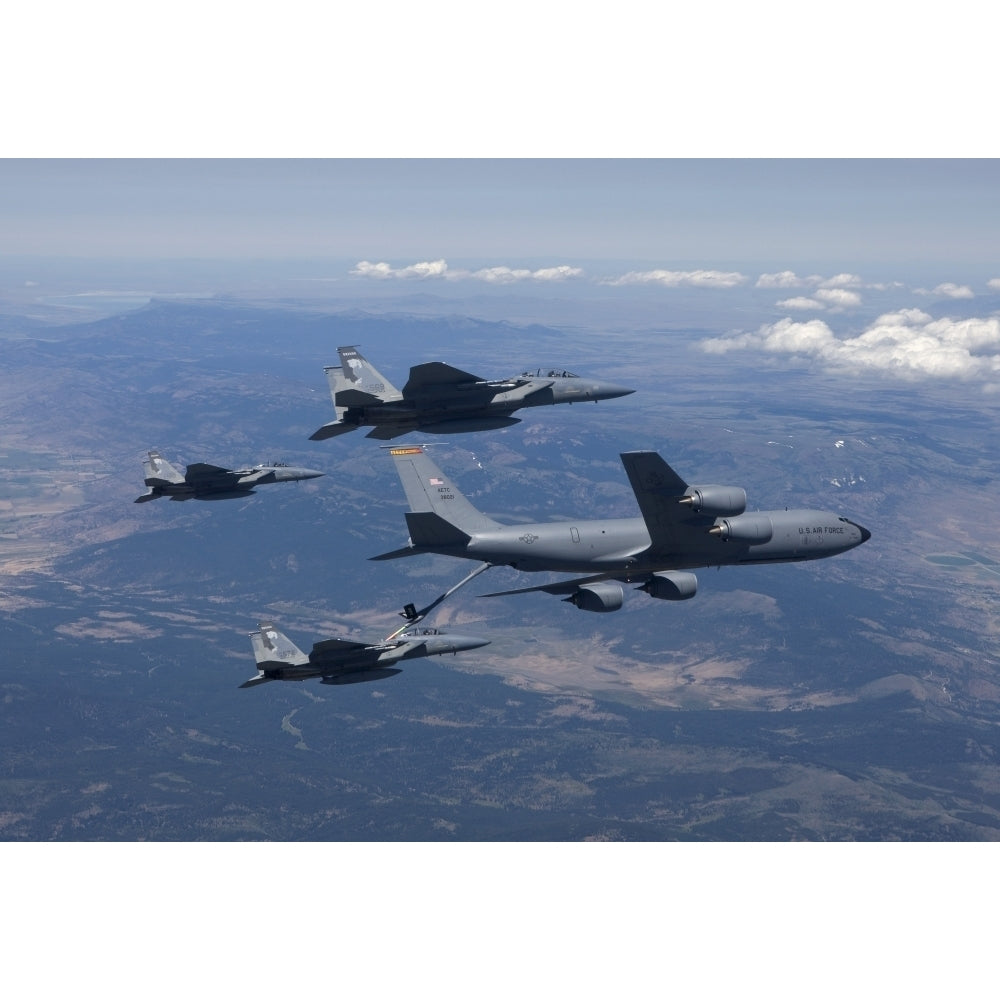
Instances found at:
x=507 y=275
x=676 y=279
x=842 y=281
x=789 y=279
x=499 y=275
x=908 y=343
x=839 y=298
x=557 y=273
x=811 y=338
x=801 y=302
x=948 y=289
x=994 y=284
x=382 y=271
x=440 y=269
x=953 y=291
x=782 y=279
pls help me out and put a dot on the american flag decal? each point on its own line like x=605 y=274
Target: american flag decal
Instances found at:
x=434 y=481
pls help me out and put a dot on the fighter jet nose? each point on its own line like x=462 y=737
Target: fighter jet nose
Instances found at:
x=608 y=390
x=470 y=642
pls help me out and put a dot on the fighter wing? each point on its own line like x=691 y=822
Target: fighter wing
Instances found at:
x=201 y=470
x=527 y=388
x=435 y=373
x=386 y=432
x=672 y=524
x=334 y=649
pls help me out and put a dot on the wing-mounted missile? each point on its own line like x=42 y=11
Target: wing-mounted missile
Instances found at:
x=227 y=495
x=361 y=676
x=465 y=426
x=716 y=501
x=508 y=384
x=751 y=529
x=671 y=585
x=519 y=392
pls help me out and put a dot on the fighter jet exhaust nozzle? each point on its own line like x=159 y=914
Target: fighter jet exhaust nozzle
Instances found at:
x=597 y=597
x=717 y=501
x=754 y=529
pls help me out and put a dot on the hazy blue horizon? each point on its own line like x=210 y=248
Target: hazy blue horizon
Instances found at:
x=853 y=213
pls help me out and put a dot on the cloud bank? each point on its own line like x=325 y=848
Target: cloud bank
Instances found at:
x=502 y=275
x=949 y=290
x=801 y=302
x=908 y=343
x=789 y=279
x=676 y=279
x=439 y=269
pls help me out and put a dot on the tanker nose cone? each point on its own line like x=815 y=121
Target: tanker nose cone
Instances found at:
x=865 y=533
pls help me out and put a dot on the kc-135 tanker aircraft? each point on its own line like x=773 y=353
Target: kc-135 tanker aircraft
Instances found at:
x=440 y=399
x=212 y=482
x=682 y=527
x=343 y=661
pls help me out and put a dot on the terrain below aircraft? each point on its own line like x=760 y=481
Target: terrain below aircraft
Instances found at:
x=343 y=661
x=211 y=482
x=682 y=527
x=440 y=399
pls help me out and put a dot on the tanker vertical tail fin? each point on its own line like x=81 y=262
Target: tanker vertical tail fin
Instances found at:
x=439 y=516
x=429 y=490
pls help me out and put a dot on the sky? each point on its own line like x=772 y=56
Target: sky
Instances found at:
x=860 y=265
x=516 y=214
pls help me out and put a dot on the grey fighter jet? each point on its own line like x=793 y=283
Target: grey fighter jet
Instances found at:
x=682 y=527
x=439 y=399
x=343 y=661
x=211 y=482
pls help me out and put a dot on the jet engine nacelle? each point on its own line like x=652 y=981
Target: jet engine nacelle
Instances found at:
x=718 y=501
x=752 y=529
x=598 y=597
x=671 y=586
